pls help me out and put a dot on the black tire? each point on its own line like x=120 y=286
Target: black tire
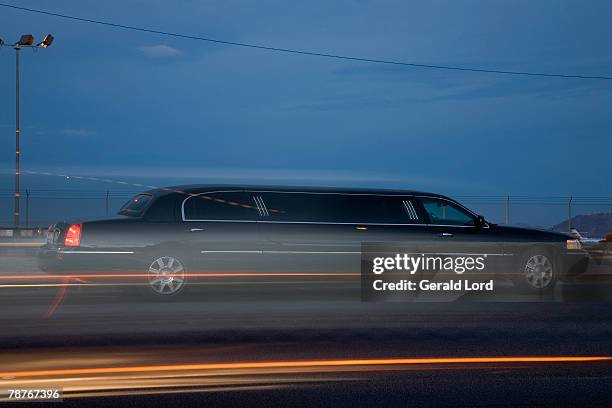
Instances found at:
x=537 y=271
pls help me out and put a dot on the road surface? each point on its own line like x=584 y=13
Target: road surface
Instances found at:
x=108 y=343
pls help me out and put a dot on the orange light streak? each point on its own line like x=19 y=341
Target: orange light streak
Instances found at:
x=307 y=363
x=144 y=275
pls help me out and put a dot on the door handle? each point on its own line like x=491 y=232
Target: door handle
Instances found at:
x=446 y=234
x=361 y=228
x=196 y=229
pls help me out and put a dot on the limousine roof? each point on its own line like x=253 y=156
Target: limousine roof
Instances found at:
x=204 y=188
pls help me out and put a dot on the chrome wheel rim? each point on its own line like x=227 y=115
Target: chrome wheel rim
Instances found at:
x=166 y=275
x=539 y=271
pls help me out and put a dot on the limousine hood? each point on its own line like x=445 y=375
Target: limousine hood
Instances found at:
x=534 y=234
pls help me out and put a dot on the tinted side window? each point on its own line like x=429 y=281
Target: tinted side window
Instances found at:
x=136 y=205
x=220 y=206
x=303 y=207
x=380 y=210
x=444 y=212
x=341 y=208
x=163 y=209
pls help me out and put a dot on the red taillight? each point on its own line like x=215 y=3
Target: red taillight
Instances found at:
x=73 y=235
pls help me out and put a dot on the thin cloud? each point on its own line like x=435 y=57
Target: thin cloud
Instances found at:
x=160 y=51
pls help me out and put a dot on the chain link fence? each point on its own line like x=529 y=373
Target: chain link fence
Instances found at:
x=41 y=207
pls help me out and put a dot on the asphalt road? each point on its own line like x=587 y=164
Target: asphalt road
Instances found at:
x=244 y=374
x=452 y=387
x=300 y=319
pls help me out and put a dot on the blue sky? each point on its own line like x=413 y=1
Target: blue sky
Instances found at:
x=142 y=106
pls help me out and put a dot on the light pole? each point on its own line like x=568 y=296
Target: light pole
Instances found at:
x=26 y=40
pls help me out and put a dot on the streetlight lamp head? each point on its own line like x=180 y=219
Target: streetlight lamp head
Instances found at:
x=46 y=42
x=26 y=40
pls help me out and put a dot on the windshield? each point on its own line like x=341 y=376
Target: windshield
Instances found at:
x=135 y=206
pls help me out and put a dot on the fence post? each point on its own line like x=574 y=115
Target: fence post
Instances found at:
x=507 y=209
x=106 y=203
x=569 y=213
x=27 y=207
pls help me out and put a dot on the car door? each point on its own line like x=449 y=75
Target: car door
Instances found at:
x=302 y=233
x=454 y=231
x=389 y=220
x=327 y=231
x=220 y=229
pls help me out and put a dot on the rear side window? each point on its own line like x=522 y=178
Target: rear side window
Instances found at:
x=230 y=206
x=163 y=208
x=380 y=210
x=339 y=208
x=443 y=212
x=136 y=206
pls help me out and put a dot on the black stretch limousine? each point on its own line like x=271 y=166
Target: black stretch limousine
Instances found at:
x=172 y=235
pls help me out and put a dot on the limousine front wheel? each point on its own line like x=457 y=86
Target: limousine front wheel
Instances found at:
x=166 y=275
x=537 y=271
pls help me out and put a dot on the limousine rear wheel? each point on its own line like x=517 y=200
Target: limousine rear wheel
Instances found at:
x=537 y=271
x=166 y=275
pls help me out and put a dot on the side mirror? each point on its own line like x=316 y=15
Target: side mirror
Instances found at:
x=480 y=221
